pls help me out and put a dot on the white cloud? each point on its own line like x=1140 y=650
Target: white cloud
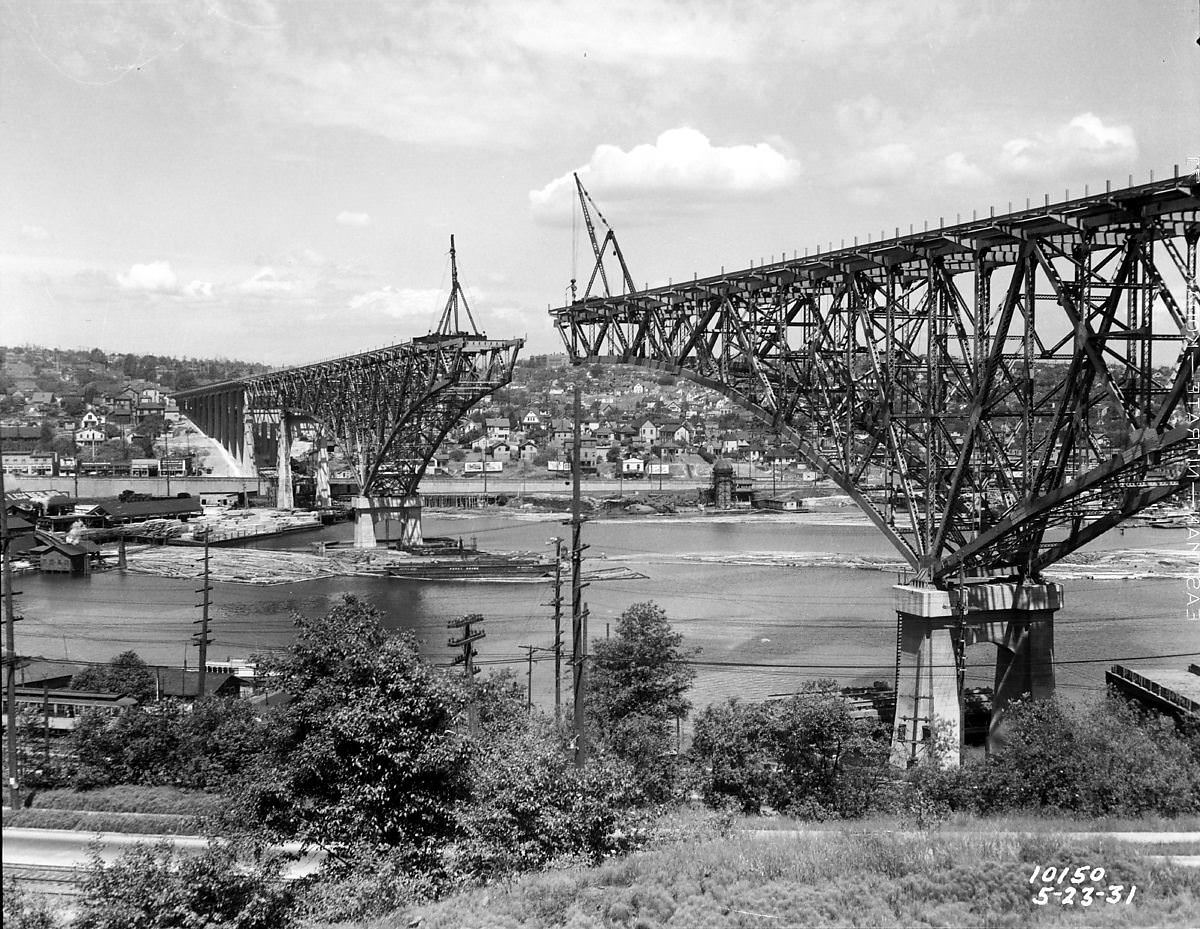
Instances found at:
x=957 y=170
x=401 y=303
x=199 y=289
x=155 y=277
x=1083 y=142
x=349 y=218
x=264 y=282
x=36 y=233
x=680 y=163
x=883 y=166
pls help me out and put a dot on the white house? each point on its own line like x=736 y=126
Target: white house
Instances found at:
x=648 y=432
x=498 y=428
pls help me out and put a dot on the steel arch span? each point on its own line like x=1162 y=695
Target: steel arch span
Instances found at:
x=993 y=394
x=387 y=409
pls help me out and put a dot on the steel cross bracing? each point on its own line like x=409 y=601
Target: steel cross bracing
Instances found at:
x=993 y=394
x=389 y=409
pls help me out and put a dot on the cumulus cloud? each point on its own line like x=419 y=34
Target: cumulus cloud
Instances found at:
x=155 y=277
x=1083 y=142
x=680 y=163
x=36 y=233
x=400 y=303
x=961 y=172
x=198 y=289
x=350 y=218
x=266 y=281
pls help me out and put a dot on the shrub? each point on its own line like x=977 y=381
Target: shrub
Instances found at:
x=528 y=804
x=155 y=887
x=23 y=910
x=1102 y=760
x=806 y=756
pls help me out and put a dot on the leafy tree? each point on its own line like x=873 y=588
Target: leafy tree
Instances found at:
x=137 y=747
x=73 y=406
x=152 y=426
x=45 y=440
x=637 y=689
x=160 y=888
x=368 y=751
x=642 y=669
x=125 y=674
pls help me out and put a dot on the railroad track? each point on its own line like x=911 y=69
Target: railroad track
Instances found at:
x=51 y=880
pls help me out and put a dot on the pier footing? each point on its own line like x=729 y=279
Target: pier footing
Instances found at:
x=387 y=519
x=934 y=625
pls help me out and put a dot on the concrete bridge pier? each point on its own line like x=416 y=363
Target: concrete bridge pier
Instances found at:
x=249 y=467
x=1019 y=620
x=285 y=498
x=928 y=716
x=387 y=519
x=324 y=497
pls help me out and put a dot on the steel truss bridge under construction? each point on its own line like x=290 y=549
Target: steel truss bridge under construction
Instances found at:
x=387 y=410
x=993 y=394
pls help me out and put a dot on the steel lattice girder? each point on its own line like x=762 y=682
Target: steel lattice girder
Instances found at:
x=388 y=409
x=1040 y=362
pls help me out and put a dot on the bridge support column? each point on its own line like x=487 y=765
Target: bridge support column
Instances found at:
x=324 y=497
x=387 y=519
x=284 y=497
x=249 y=468
x=1019 y=620
x=1024 y=655
x=928 y=717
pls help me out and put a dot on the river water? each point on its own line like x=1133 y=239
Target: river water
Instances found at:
x=820 y=621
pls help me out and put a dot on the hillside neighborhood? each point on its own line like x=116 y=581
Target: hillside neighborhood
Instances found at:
x=64 y=412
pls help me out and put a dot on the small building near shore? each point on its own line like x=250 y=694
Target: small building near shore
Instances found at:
x=58 y=556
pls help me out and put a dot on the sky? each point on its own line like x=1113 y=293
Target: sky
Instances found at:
x=278 y=181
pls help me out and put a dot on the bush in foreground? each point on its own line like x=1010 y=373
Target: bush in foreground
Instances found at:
x=1101 y=760
x=806 y=756
x=155 y=887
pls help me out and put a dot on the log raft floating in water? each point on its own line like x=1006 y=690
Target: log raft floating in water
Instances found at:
x=262 y=567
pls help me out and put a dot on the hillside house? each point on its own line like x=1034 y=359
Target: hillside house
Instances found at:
x=89 y=436
x=497 y=428
x=648 y=432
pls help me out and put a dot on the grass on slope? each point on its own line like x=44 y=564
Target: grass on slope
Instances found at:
x=825 y=880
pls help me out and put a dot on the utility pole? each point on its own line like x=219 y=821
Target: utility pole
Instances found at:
x=10 y=650
x=557 y=604
x=467 y=660
x=529 y=650
x=578 y=608
x=960 y=656
x=202 y=638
